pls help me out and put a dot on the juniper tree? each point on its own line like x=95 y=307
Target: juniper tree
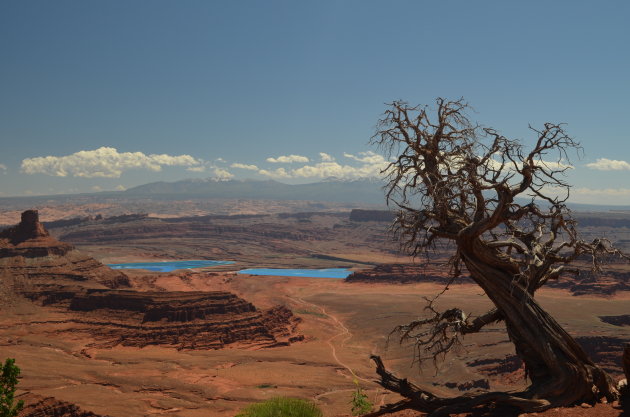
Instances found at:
x=502 y=210
x=9 y=373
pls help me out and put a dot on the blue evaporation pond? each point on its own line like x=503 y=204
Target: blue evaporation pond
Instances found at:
x=309 y=273
x=168 y=266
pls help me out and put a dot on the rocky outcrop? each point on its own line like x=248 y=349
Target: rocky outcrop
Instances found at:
x=29 y=239
x=177 y=306
x=38 y=406
x=586 y=282
x=404 y=274
x=184 y=320
x=282 y=323
x=35 y=260
x=606 y=352
x=359 y=215
x=56 y=274
x=161 y=229
x=607 y=282
x=621 y=320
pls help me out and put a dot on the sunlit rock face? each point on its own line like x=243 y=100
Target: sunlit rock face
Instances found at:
x=98 y=300
x=184 y=320
x=32 y=259
x=405 y=274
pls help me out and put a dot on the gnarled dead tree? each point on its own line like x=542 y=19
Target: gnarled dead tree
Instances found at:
x=503 y=210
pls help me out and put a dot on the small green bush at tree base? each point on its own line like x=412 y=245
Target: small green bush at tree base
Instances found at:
x=282 y=407
x=8 y=380
x=360 y=403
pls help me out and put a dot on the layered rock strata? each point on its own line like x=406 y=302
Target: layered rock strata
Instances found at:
x=38 y=406
x=184 y=320
x=55 y=274
x=29 y=239
x=33 y=260
x=142 y=228
x=608 y=282
x=404 y=274
x=586 y=282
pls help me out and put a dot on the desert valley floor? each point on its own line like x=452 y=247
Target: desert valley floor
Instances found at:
x=342 y=324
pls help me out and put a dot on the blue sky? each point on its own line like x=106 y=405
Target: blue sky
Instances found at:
x=112 y=94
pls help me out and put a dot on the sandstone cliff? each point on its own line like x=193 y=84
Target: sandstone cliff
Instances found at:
x=184 y=320
x=56 y=275
x=33 y=259
x=404 y=274
x=586 y=282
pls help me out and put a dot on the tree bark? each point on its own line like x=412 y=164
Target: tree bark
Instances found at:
x=626 y=362
x=456 y=181
x=559 y=369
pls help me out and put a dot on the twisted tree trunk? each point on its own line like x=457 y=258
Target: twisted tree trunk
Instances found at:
x=561 y=373
x=455 y=181
x=626 y=364
x=559 y=369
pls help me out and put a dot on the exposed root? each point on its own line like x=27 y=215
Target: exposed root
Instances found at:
x=391 y=408
x=421 y=400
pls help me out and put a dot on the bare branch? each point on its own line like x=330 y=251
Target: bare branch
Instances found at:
x=503 y=209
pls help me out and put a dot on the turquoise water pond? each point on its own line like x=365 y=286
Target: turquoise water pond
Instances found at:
x=310 y=273
x=168 y=266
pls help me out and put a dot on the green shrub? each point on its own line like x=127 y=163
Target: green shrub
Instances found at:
x=282 y=407
x=8 y=380
x=360 y=403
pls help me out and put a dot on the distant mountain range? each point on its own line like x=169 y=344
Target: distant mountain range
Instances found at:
x=366 y=191
x=356 y=192
x=332 y=190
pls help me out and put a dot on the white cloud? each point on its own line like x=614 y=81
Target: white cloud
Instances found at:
x=3 y=168
x=287 y=159
x=120 y=187
x=244 y=166
x=199 y=168
x=276 y=173
x=222 y=174
x=554 y=164
x=218 y=173
x=605 y=164
x=368 y=157
x=334 y=169
x=104 y=162
x=615 y=196
x=585 y=195
x=611 y=192
x=326 y=157
x=549 y=165
x=96 y=188
x=370 y=166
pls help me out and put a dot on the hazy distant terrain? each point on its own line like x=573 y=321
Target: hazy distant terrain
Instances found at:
x=201 y=197
x=196 y=197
